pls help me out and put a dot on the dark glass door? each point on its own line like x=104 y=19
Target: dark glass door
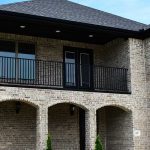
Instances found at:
x=85 y=70
x=77 y=68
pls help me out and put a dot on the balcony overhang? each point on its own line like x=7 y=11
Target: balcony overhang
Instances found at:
x=11 y=22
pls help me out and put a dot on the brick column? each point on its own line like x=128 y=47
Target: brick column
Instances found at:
x=139 y=93
x=90 y=127
x=42 y=128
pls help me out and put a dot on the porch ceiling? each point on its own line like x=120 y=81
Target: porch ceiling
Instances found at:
x=72 y=31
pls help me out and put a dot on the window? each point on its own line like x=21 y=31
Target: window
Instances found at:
x=17 y=60
x=7 y=61
x=7 y=49
x=26 y=55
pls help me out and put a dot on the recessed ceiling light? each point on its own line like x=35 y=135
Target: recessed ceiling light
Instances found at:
x=22 y=26
x=58 y=31
x=91 y=35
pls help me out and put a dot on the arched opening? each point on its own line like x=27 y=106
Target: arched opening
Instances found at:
x=114 y=125
x=66 y=125
x=17 y=126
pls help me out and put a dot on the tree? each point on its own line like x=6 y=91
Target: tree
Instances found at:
x=49 y=143
x=98 y=144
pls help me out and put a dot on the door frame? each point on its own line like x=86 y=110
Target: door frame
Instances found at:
x=78 y=51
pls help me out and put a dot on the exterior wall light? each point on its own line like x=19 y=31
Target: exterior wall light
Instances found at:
x=58 y=31
x=18 y=107
x=91 y=35
x=22 y=26
x=72 y=110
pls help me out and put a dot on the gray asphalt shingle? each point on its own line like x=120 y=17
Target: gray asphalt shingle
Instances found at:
x=66 y=10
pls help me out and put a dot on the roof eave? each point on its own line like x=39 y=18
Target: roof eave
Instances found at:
x=67 y=22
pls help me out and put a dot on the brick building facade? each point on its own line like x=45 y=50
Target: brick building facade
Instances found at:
x=74 y=117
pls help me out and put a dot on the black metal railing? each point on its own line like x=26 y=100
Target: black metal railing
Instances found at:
x=110 y=79
x=50 y=74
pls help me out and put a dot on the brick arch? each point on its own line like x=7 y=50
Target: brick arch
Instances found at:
x=21 y=100
x=120 y=106
x=73 y=103
x=20 y=131
x=70 y=126
x=112 y=121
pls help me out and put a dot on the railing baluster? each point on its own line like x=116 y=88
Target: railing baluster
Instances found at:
x=55 y=74
x=125 y=79
x=110 y=79
x=7 y=69
x=32 y=69
x=99 y=76
x=115 y=83
x=9 y=64
x=37 y=72
x=95 y=77
x=43 y=62
x=29 y=71
x=19 y=75
x=50 y=74
x=2 y=68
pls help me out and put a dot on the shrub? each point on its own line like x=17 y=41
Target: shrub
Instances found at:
x=49 y=143
x=98 y=144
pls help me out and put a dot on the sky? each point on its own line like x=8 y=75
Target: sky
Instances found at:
x=138 y=10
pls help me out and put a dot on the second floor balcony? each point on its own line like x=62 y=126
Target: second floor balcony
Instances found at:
x=68 y=75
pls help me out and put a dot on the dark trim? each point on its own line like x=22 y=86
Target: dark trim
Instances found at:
x=141 y=34
x=30 y=17
x=82 y=128
x=97 y=122
x=58 y=88
x=146 y=33
x=71 y=31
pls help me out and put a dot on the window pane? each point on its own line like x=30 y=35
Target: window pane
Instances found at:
x=7 y=65
x=27 y=61
x=24 y=48
x=70 y=68
x=6 y=46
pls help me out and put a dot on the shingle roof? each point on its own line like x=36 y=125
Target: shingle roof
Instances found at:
x=66 y=10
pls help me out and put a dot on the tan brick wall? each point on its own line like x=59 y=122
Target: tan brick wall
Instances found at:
x=113 y=54
x=90 y=101
x=64 y=127
x=146 y=45
x=117 y=53
x=17 y=131
x=139 y=92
